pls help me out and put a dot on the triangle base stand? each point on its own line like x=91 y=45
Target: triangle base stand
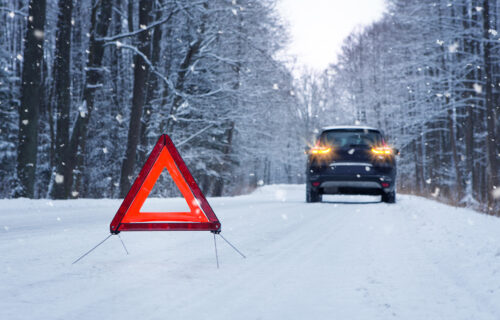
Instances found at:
x=126 y=251
x=229 y=243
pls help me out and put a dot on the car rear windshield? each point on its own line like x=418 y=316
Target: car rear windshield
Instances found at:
x=349 y=138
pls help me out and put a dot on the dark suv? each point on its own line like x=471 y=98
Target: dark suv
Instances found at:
x=351 y=160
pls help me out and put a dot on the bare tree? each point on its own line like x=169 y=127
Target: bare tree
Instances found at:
x=31 y=96
x=99 y=22
x=62 y=87
x=141 y=69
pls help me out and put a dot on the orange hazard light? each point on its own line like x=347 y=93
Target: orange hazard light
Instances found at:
x=320 y=150
x=382 y=151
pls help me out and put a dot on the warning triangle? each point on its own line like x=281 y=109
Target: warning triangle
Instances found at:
x=200 y=216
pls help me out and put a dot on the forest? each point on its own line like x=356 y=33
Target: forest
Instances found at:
x=86 y=88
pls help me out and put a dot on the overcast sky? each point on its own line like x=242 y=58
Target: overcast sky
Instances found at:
x=318 y=27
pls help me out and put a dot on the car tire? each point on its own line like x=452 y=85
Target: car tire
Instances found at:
x=312 y=196
x=389 y=197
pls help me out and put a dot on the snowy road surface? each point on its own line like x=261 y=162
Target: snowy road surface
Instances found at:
x=346 y=258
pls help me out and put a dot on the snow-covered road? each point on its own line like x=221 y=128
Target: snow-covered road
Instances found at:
x=346 y=258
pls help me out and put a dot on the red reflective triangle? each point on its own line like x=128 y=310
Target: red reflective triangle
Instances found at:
x=129 y=217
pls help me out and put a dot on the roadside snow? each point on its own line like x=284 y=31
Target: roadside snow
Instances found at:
x=346 y=258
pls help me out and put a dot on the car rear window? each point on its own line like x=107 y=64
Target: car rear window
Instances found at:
x=349 y=138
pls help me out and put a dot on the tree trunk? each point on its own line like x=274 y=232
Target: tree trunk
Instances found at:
x=140 y=76
x=130 y=15
x=99 y=27
x=491 y=144
x=62 y=93
x=152 y=87
x=225 y=166
x=468 y=123
x=31 y=97
x=456 y=160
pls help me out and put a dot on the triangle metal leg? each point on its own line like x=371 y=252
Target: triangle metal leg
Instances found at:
x=123 y=244
x=216 y=255
x=86 y=253
x=229 y=243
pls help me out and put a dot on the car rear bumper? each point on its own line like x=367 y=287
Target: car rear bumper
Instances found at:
x=353 y=181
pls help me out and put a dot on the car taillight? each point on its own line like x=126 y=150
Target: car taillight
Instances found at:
x=320 y=150
x=382 y=151
x=385 y=184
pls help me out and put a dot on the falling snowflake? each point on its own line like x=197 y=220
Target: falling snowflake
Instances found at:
x=496 y=193
x=38 y=34
x=104 y=150
x=25 y=122
x=453 y=47
x=19 y=57
x=275 y=86
x=59 y=178
x=435 y=194
x=83 y=109
x=194 y=203
x=440 y=42
x=428 y=181
x=119 y=118
x=12 y=14
x=351 y=151
x=478 y=88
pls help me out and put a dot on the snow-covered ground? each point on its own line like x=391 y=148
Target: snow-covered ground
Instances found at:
x=346 y=258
